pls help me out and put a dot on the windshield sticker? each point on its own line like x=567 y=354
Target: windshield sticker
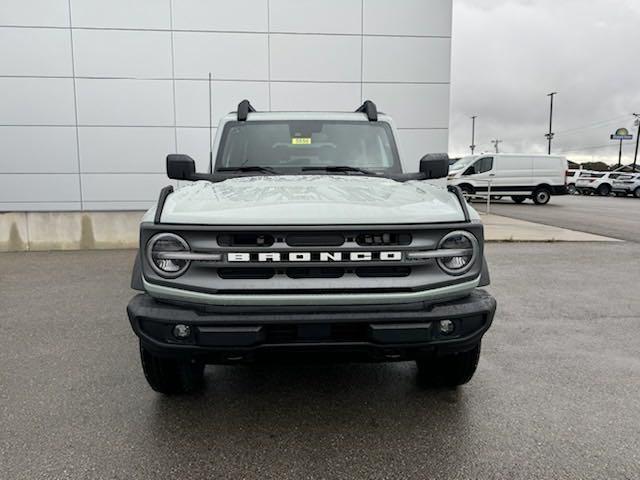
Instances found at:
x=301 y=141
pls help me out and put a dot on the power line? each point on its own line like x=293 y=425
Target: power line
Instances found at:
x=592 y=147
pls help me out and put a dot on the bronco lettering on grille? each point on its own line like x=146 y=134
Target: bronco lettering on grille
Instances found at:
x=314 y=256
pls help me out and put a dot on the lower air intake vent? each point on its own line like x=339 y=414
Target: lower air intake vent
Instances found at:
x=367 y=272
x=246 y=273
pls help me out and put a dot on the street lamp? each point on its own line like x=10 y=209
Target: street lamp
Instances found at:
x=635 y=157
x=473 y=133
x=550 y=134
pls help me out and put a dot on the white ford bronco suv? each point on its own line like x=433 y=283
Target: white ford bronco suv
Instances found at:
x=306 y=239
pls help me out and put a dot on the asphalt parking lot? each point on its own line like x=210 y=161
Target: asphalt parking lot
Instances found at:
x=609 y=216
x=555 y=395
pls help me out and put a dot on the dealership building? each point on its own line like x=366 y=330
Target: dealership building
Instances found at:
x=96 y=93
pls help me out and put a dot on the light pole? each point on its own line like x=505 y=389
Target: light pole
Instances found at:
x=496 y=142
x=550 y=134
x=473 y=133
x=635 y=157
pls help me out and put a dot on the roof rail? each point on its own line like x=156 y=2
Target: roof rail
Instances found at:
x=244 y=107
x=370 y=109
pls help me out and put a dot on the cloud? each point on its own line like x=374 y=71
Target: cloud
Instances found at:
x=507 y=55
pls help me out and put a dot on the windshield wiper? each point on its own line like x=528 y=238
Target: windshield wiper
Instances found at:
x=250 y=168
x=341 y=168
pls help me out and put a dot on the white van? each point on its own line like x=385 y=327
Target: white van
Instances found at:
x=520 y=176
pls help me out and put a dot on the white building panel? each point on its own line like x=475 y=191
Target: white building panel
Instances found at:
x=315 y=96
x=122 y=53
x=125 y=149
x=36 y=101
x=312 y=16
x=35 y=52
x=125 y=102
x=412 y=105
x=137 y=14
x=228 y=56
x=221 y=15
x=36 y=13
x=408 y=17
x=39 y=188
x=406 y=59
x=38 y=150
x=332 y=58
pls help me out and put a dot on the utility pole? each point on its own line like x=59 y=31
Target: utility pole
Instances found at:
x=635 y=157
x=496 y=142
x=473 y=133
x=550 y=134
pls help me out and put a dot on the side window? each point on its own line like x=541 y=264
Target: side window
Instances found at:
x=484 y=164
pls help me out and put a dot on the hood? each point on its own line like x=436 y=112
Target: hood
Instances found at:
x=310 y=200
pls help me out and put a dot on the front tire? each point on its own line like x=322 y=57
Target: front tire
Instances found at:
x=171 y=376
x=518 y=198
x=571 y=189
x=604 y=190
x=448 y=370
x=541 y=196
x=636 y=192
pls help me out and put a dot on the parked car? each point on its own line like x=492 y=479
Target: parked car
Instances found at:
x=572 y=176
x=520 y=176
x=627 y=184
x=306 y=237
x=600 y=183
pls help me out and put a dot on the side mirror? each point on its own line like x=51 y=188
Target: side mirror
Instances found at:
x=435 y=165
x=181 y=167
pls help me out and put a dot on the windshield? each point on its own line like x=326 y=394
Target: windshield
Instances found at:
x=463 y=163
x=294 y=146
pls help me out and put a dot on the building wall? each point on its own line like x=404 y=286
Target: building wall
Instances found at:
x=95 y=93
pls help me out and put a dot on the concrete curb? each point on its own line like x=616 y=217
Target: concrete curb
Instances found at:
x=42 y=231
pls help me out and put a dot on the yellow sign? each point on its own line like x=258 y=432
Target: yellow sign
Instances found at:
x=301 y=141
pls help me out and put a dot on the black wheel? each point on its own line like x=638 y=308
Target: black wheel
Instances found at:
x=541 y=196
x=571 y=189
x=467 y=190
x=518 y=198
x=171 y=376
x=604 y=190
x=636 y=192
x=448 y=370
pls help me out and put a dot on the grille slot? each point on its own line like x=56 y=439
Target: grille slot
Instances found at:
x=383 y=238
x=315 y=239
x=315 y=272
x=245 y=240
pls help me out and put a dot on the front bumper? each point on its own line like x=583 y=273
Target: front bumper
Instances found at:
x=368 y=332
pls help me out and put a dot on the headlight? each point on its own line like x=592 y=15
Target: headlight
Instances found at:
x=463 y=243
x=167 y=254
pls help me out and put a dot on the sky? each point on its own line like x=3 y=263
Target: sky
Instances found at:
x=507 y=55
